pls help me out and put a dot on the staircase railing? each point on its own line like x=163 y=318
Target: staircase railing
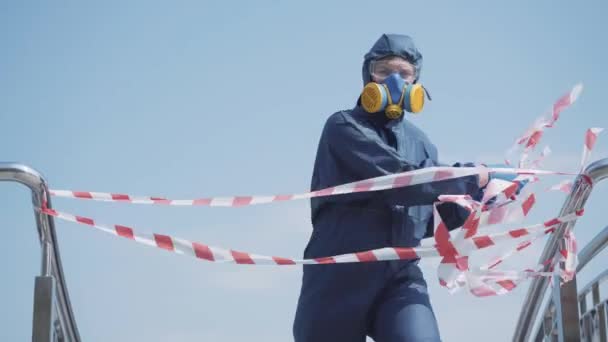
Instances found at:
x=53 y=317
x=563 y=316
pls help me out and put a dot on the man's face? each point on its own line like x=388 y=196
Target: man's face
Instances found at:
x=382 y=68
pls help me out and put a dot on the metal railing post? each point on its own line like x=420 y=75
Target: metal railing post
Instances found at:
x=53 y=314
x=566 y=310
x=43 y=327
x=600 y=311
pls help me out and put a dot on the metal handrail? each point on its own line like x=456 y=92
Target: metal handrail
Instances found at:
x=598 y=306
x=581 y=190
x=595 y=246
x=591 y=249
x=589 y=286
x=51 y=260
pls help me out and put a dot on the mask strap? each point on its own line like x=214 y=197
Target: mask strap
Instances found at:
x=428 y=95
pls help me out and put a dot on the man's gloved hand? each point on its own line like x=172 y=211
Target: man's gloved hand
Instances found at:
x=509 y=177
x=483 y=177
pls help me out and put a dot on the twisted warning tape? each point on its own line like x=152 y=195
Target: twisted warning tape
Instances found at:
x=218 y=254
x=454 y=271
x=533 y=135
x=488 y=283
x=591 y=136
x=420 y=176
x=590 y=139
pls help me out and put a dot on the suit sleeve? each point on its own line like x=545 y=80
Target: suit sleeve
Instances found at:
x=366 y=156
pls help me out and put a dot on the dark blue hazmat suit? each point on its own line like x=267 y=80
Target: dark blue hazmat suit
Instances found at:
x=386 y=300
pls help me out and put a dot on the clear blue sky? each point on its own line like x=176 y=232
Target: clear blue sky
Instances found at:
x=189 y=98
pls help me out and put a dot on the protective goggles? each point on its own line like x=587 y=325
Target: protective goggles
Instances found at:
x=382 y=68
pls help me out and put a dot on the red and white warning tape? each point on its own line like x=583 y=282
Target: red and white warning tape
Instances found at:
x=219 y=254
x=532 y=136
x=426 y=175
x=590 y=139
x=454 y=271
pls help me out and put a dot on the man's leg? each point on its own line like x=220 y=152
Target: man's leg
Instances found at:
x=334 y=302
x=404 y=313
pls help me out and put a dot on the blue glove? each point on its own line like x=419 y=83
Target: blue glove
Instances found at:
x=509 y=177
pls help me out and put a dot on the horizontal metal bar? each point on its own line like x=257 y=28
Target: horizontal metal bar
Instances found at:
x=589 y=286
x=591 y=249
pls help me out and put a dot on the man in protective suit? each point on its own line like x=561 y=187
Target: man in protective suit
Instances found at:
x=385 y=300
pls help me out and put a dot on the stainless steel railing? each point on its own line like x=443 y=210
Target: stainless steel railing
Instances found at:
x=565 y=300
x=53 y=317
x=593 y=321
x=547 y=326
